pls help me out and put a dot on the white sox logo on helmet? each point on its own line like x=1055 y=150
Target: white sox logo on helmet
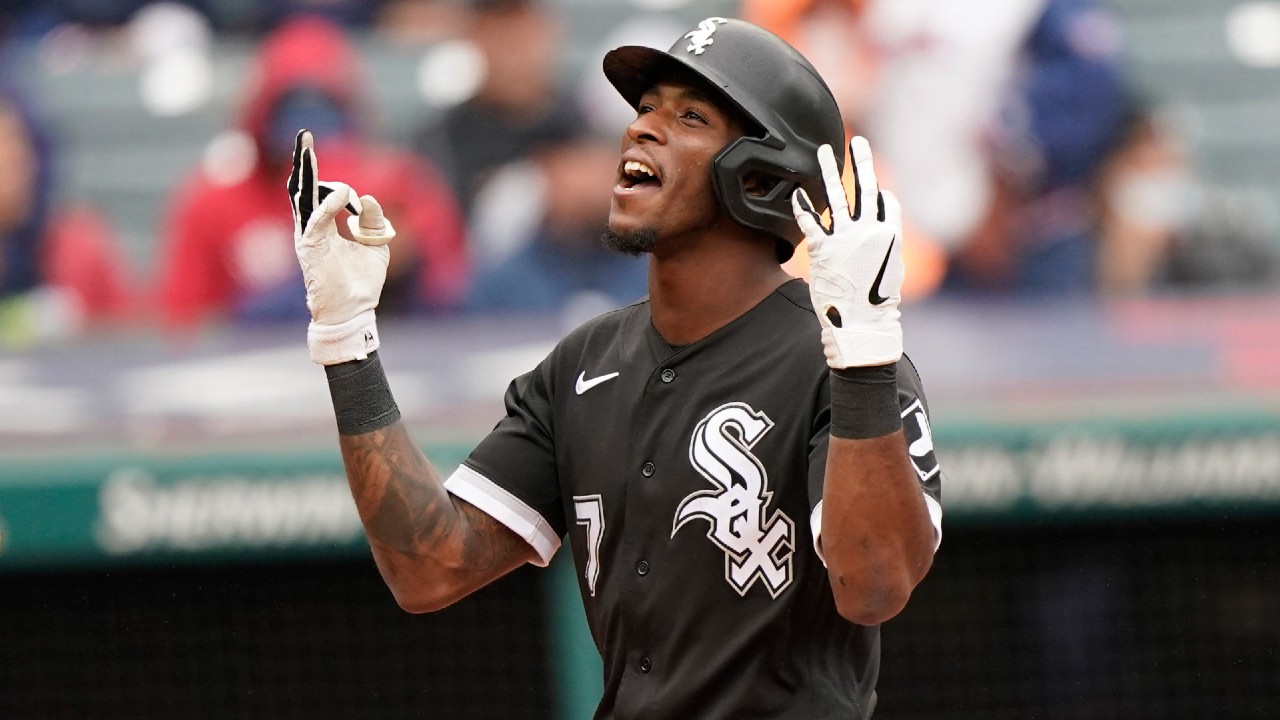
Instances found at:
x=720 y=450
x=699 y=39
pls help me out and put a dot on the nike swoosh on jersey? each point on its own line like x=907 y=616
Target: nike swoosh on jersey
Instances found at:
x=584 y=384
x=874 y=296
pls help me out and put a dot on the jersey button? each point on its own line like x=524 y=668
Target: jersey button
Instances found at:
x=668 y=375
x=642 y=567
x=648 y=470
x=645 y=665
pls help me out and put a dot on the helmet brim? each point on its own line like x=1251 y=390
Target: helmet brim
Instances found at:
x=633 y=69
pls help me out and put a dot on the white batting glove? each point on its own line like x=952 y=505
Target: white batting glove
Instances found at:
x=343 y=278
x=856 y=269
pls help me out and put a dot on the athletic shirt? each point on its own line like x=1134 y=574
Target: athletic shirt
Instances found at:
x=689 y=481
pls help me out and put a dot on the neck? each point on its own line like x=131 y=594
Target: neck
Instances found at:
x=704 y=284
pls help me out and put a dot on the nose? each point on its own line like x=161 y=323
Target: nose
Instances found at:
x=647 y=126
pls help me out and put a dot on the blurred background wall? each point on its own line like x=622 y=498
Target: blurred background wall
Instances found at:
x=1093 y=207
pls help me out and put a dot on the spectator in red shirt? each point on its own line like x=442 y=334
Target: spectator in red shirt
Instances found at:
x=229 y=245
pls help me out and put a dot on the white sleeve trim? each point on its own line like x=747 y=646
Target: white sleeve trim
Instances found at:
x=815 y=527
x=507 y=509
x=935 y=517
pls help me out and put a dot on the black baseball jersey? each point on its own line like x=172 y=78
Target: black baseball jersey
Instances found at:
x=689 y=482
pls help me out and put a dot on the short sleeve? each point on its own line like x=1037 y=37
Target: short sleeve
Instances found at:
x=511 y=474
x=819 y=440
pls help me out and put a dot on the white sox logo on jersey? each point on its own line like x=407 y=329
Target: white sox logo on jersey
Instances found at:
x=699 y=39
x=754 y=549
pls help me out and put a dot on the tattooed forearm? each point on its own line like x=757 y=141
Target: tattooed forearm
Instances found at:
x=399 y=495
x=429 y=545
x=490 y=545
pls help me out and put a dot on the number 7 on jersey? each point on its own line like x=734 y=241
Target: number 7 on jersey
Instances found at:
x=589 y=510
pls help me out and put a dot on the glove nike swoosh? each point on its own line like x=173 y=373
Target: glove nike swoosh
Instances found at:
x=874 y=296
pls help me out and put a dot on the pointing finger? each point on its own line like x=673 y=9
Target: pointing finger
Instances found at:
x=295 y=170
x=864 y=175
x=295 y=183
x=308 y=192
x=836 y=198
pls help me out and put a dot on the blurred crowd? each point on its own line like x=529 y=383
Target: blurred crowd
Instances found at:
x=1029 y=163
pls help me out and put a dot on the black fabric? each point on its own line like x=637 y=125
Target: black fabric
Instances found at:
x=864 y=402
x=362 y=398
x=685 y=481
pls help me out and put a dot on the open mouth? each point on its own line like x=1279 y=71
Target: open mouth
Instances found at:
x=636 y=174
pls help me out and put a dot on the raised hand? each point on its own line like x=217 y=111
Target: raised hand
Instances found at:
x=343 y=277
x=856 y=269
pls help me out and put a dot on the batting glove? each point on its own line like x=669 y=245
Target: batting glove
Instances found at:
x=855 y=269
x=343 y=278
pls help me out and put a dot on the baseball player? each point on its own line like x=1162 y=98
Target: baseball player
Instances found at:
x=741 y=462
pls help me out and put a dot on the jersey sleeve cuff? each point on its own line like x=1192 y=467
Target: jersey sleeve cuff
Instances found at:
x=935 y=517
x=507 y=509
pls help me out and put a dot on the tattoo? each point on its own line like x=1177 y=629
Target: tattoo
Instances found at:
x=491 y=544
x=404 y=507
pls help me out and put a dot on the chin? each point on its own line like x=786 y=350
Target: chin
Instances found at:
x=634 y=241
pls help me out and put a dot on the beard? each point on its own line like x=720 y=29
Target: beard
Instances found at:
x=634 y=243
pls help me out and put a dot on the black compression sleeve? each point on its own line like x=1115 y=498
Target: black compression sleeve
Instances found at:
x=361 y=396
x=864 y=402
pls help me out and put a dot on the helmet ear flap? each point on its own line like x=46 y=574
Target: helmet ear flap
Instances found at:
x=769 y=210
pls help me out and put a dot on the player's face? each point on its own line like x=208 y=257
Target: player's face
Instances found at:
x=663 y=186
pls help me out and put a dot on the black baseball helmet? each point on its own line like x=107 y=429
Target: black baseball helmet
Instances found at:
x=776 y=88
